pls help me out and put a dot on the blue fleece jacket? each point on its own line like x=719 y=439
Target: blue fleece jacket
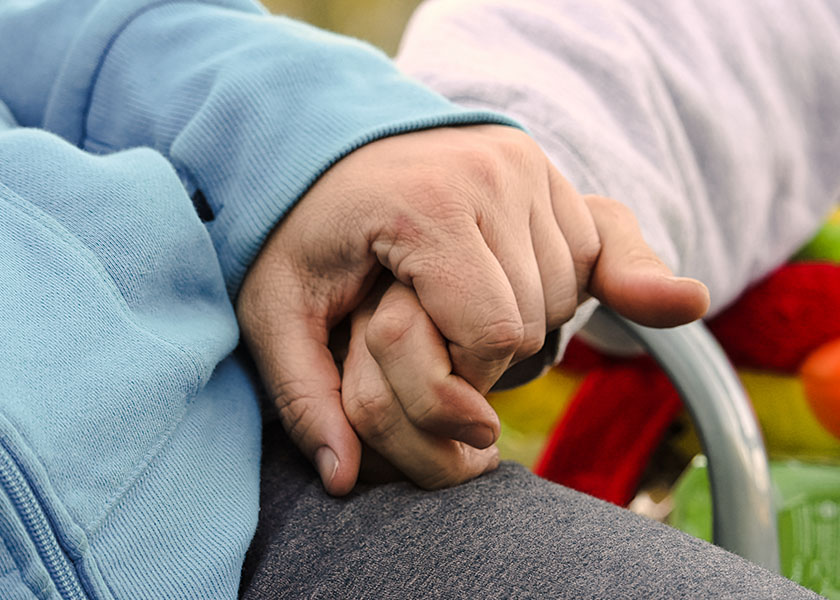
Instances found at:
x=129 y=433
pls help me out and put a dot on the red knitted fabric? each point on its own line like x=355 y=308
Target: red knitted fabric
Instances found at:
x=777 y=322
x=612 y=425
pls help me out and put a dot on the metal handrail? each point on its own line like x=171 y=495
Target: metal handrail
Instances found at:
x=742 y=497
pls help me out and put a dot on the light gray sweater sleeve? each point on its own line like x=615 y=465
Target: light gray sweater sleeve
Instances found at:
x=717 y=122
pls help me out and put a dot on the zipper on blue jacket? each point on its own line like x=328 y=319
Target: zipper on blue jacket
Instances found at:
x=37 y=526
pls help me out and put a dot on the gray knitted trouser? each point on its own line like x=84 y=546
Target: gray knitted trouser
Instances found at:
x=505 y=535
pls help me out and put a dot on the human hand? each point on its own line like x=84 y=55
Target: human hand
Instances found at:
x=497 y=246
x=397 y=368
x=387 y=411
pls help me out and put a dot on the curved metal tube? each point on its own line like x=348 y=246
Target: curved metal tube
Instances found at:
x=742 y=498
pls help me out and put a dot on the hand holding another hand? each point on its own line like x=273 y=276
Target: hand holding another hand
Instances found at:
x=491 y=248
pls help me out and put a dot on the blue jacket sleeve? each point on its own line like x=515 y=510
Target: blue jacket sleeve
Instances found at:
x=250 y=109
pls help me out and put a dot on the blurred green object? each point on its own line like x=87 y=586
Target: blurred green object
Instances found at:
x=807 y=498
x=826 y=244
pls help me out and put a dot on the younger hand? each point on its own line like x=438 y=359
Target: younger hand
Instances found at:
x=411 y=417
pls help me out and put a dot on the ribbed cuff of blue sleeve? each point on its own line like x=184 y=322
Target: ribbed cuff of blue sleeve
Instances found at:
x=251 y=109
x=269 y=190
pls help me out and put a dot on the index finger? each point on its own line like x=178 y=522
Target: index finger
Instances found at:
x=466 y=293
x=413 y=357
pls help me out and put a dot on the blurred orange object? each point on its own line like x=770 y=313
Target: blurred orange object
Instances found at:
x=821 y=380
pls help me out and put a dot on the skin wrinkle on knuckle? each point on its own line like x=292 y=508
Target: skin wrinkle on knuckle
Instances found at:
x=436 y=267
x=420 y=410
x=499 y=338
x=371 y=416
x=485 y=171
x=408 y=403
x=456 y=468
x=386 y=330
x=294 y=413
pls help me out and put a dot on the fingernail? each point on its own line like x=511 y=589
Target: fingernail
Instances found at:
x=690 y=281
x=675 y=279
x=327 y=463
x=476 y=435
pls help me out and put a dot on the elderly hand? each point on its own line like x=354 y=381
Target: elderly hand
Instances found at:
x=498 y=249
x=397 y=370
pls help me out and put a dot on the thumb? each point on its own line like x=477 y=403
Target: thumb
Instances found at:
x=629 y=277
x=288 y=342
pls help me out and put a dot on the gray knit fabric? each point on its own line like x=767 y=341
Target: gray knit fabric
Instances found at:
x=505 y=535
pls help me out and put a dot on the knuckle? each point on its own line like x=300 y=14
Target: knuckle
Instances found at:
x=296 y=415
x=436 y=183
x=434 y=191
x=486 y=168
x=586 y=255
x=385 y=331
x=519 y=149
x=370 y=415
x=533 y=340
x=450 y=470
x=404 y=227
x=613 y=208
x=460 y=175
x=450 y=209
x=500 y=339
x=422 y=411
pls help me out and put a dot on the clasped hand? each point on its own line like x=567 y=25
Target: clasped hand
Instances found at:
x=448 y=253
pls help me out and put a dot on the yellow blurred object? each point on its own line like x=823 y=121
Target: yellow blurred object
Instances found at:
x=790 y=427
x=380 y=22
x=529 y=413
